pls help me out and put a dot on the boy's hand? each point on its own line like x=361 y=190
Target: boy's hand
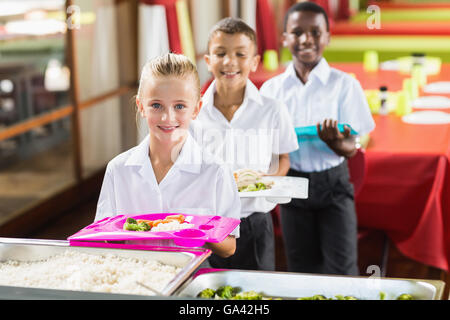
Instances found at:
x=328 y=131
x=342 y=143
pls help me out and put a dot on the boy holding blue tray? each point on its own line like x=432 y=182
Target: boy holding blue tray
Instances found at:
x=320 y=233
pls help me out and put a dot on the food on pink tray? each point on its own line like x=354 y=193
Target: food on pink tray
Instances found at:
x=171 y=222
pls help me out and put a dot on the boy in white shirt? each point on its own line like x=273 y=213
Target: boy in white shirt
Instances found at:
x=247 y=131
x=168 y=171
x=320 y=233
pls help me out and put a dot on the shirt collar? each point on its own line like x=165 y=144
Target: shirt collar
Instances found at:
x=189 y=160
x=251 y=93
x=321 y=71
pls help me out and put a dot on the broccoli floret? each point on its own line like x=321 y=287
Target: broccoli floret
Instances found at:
x=225 y=292
x=382 y=295
x=405 y=296
x=206 y=293
x=130 y=227
x=143 y=226
x=261 y=186
x=340 y=297
x=315 y=297
x=248 y=295
x=131 y=220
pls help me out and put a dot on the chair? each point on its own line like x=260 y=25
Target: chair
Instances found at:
x=280 y=257
x=357 y=171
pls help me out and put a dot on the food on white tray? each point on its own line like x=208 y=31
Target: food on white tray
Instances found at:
x=169 y=223
x=72 y=270
x=250 y=180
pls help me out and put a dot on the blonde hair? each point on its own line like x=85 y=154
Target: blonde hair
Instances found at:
x=169 y=64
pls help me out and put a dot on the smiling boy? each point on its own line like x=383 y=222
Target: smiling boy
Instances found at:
x=320 y=233
x=247 y=131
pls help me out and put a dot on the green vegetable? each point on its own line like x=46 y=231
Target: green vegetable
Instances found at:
x=229 y=292
x=206 y=293
x=253 y=187
x=226 y=292
x=248 y=295
x=261 y=186
x=250 y=187
x=131 y=227
x=315 y=297
x=131 y=220
x=143 y=226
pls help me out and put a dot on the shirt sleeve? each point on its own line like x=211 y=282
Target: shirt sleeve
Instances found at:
x=228 y=203
x=287 y=138
x=106 y=203
x=354 y=108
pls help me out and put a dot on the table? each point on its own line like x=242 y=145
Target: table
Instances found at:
x=428 y=28
x=406 y=193
x=350 y=48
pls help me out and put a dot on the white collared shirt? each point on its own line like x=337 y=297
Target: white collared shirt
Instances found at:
x=259 y=129
x=328 y=93
x=195 y=184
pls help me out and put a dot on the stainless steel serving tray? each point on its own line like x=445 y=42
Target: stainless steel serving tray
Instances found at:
x=295 y=285
x=37 y=249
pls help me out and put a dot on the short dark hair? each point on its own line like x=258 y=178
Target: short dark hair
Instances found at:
x=232 y=26
x=306 y=6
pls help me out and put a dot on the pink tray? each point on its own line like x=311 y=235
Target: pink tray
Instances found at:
x=206 y=229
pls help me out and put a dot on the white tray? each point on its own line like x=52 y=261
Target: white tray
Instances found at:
x=283 y=190
x=427 y=117
x=441 y=87
x=431 y=102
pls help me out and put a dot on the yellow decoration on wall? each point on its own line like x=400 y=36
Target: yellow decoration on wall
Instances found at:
x=185 y=30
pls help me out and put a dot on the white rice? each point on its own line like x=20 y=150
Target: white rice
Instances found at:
x=80 y=271
x=173 y=225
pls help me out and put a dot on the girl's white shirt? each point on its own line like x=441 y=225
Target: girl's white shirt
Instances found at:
x=196 y=184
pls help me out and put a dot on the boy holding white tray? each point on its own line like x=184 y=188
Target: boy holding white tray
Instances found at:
x=246 y=131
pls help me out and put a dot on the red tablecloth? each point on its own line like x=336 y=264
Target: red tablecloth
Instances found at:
x=407 y=188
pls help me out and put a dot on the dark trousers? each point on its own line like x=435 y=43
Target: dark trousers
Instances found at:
x=255 y=249
x=320 y=233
